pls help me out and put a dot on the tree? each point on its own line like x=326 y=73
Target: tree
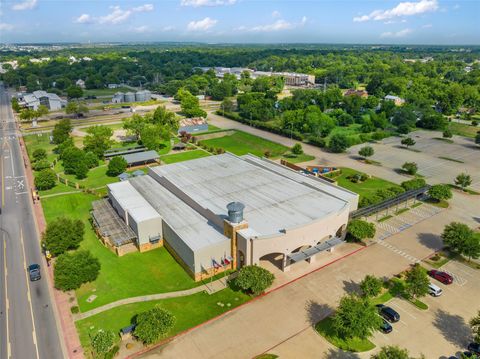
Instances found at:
x=471 y=247
x=417 y=281
x=463 y=180
x=361 y=230
x=355 y=317
x=366 y=151
x=410 y=167
x=135 y=124
x=45 y=179
x=297 y=149
x=153 y=324
x=61 y=131
x=91 y=160
x=477 y=138
x=154 y=136
x=447 y=133
x=391 y=352
x=371 y=286
x=440 y=192
x=42 y=110
x=39 y=154
x=63 y=234
x=41 y=165
x=456 y=235
x=97 y=140
x=74 y=92
x=165 y=118
x=103 y=341
x=475 y=325
x=338 y=143
x=189 y=104
x=116 y=166
x=254 y=279
x=72 y=269
x=73 y=160
x=407 y=142
x=227 y=105
x=27 y=114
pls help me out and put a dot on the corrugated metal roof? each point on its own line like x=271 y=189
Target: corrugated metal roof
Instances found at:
x=273 y=202
x=132 y=201
x=141 y=156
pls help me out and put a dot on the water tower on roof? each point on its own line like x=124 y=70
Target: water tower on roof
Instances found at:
x=235 y=212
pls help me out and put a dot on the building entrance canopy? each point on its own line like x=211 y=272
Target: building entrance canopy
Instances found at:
x=310 y=252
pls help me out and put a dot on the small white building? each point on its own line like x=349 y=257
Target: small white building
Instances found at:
x=80 y=83
x=397 y=100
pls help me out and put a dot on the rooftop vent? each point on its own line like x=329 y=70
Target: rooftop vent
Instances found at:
x=235 y=212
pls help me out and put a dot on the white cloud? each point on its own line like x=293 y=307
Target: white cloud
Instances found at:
x=140 y=29
x=116 y=16
x=407 y=8
x=278 y=25
x=201 y=25
x=276 y=14
x=25 y=5
x=5 y=27
x=198 y=3
x=427 y=26
x=303 y=21
x=168 y=28
x=84 y=19
x=401 y=33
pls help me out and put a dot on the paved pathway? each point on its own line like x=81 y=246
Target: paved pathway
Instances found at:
x=210 y=288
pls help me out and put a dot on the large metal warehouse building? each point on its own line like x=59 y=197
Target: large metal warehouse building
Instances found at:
x=226 y=211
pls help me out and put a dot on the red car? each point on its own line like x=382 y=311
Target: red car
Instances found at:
x=442 y=277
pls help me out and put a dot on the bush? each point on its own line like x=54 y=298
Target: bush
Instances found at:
x=317 y=141
x=410 y=167
x=41 y=165
x=153 y=324
x=403 y=129
x=371 y=286
x=440 y=192
x=338 y=143
x=39 y=154
x=396 y=190
x=102 y=341
x=297 y=149
x=45 y=179
x=116 y=166
x=474 y=123
x=413 y=184
x=384 y=193
x=360 y=230
x=91 y=160
x=73 y=269
x=75 y=309
x=447 y=133
x=63 y=234
x=366 y=151
x=254 y=279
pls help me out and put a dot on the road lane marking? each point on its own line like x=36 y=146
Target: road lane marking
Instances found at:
x=3 y=185
x=34 y=333
x=7 y=302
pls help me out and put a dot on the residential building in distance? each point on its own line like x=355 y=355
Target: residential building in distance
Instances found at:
x=354 y=92
x=397 y=100
x=192 y=125
x=225 y=211
x=36 y=98
x=80 y=83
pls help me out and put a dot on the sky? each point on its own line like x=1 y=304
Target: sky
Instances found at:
x=242 y=21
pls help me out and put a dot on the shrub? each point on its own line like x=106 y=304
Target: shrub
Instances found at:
x=267 y=154
x=116 y=166
x=360 y=230
x=396 y=190
x=366 y=151
x=474 y=123
x=447 y=133
x=463 y=180
x=297 y=149
x=75 y=309
x=91 y=160
x=254 y=279
x=371 y=286
x=440 y=192
x=413 y=184
x=384 y=193
x=408 y=141
x=317 y=141
x=153 y=324
x=41 y=165
x=45 y=179
x=73 y=269
x=39 y=154
x=403 y=129
x=102 y=341
x=338 y=143
x=410 y=167
x=63 y=234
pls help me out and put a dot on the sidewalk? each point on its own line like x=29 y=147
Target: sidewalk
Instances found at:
x=63 y=316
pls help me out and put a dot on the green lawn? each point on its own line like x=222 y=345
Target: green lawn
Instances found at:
x=189 y=312
x=120 y=277
x=59 y=188
x=290 y=157
x=242 y=143
x=33 y=142
x=184 y=156
x=351 y=131
x=96 y=177
x=364 y=189
x=325 y=329
x=463 y=130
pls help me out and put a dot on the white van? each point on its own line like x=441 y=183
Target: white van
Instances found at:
x=434 y=290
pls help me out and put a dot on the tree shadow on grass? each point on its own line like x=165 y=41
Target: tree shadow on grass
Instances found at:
x=339 y=354
x=431 y=241
x=316 y=312
x=351 y=287
x=453 y=328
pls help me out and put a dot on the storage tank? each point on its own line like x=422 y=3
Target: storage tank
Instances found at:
x=140 y=96
x=118 y=97
x=129 y=97
x=235 y=212
x=148 y=95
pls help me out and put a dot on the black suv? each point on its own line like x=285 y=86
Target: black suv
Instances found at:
x=388 y=313
x=34 y=272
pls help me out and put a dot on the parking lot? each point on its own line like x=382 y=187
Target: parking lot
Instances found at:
x=443 y=329
x=427 y=152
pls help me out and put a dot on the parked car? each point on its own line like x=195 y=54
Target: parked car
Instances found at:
x=388 y=313
x=442 y=277
x=34 y=272
x=434 y=291
x=474 y=347
x=386 y=327
x=469 y=355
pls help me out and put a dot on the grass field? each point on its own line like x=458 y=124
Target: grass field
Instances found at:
x=298 y=158
x=364 y=189
x=131 y=275
x=189 y=312
x=242 y=143
x=184 y=156
x=325 y=329
x=351 y=131
x=463 y=130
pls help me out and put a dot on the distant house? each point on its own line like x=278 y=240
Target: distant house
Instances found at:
x=36 y=98
x=179 y=146
x=397 y=100
x=191 y=125
x=353 y=92
x=113 y=86
x=80 y=83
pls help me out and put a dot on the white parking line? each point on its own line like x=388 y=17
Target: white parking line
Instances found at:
x=404 y=310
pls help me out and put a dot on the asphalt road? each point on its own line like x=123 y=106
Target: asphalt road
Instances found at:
x=28 y=328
